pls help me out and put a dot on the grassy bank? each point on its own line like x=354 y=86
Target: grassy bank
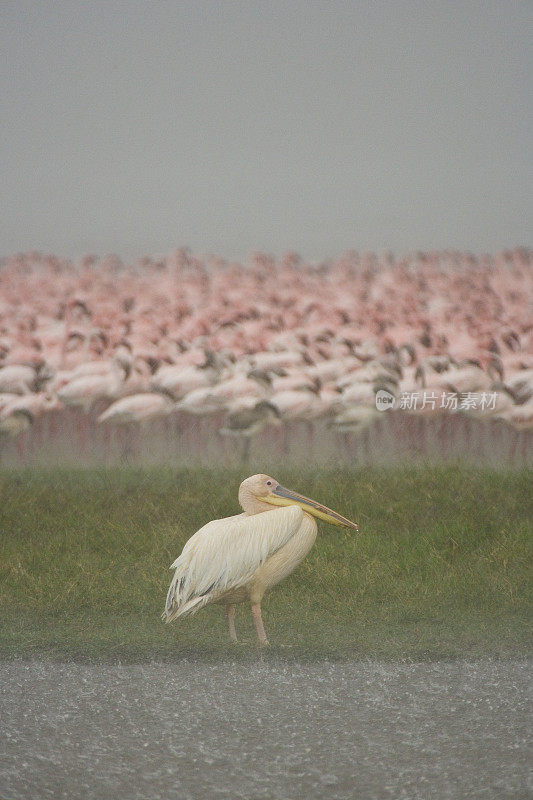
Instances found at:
x=439 y=569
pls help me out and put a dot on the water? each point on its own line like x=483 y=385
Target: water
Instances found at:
x=70 y=437
x=267 y=730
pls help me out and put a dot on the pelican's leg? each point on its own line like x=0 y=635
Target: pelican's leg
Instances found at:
x=230 y=613
x=258 y=622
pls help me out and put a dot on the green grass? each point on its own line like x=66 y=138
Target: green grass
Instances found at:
x=439 y=570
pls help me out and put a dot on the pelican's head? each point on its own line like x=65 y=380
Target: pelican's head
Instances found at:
x=259 y=490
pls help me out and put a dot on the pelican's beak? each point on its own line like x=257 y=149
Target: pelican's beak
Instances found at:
x=285 y=497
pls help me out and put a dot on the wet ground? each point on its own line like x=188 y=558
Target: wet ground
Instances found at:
x=266 y=730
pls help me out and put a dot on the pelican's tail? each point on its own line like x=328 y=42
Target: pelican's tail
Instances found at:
x=179 y=603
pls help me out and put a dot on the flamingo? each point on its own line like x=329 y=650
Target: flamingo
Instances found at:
x=355 y=419
x=271 y=360
x=180 y=380
x=184 y=324
x=521 y=384
x=356 y=393
x=295 y=404
x=520 y=417
x=246 y=423
x=239 y=386
x=84 y=392
x=239 y=558
x=16 y=422
x=20 y=379
x=6 y=398
x=201 y=402
x=137 y=408
x=468 y=376
x=19 y=413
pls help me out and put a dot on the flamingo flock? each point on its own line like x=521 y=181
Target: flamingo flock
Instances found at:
x=429 y=354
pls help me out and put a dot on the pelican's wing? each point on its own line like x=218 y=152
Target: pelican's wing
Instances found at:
x=224 y=554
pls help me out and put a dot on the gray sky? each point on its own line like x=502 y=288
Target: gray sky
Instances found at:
x=137 y=127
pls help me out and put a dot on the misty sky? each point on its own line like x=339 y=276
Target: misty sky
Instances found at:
x=138 y=127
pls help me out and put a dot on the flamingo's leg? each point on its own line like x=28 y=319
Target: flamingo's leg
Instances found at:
x=230 y=613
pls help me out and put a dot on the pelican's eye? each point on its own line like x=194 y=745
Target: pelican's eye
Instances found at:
x=269 y=483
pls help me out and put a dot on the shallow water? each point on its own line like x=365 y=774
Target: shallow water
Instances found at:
x=267 y=730
x=72 y=438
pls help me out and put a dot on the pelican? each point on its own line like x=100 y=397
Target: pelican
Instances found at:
x=239 y=558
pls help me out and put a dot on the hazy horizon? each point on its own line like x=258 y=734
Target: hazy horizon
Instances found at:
x=132 y=127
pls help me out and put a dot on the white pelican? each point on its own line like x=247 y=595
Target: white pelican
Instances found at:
x=239 y=558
